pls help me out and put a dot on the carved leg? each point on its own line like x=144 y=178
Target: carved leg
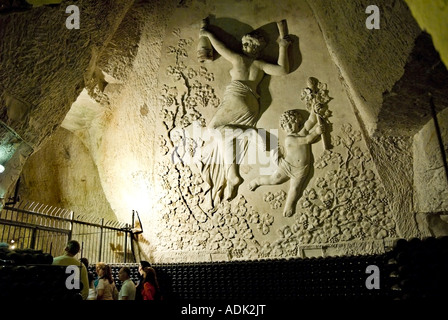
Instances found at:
x=276 y=178
x=233 y=181
x=294 y=194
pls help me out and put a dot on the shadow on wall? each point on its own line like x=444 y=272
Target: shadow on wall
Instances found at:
x=230 y=31
x=406 y=108
x=438 y=224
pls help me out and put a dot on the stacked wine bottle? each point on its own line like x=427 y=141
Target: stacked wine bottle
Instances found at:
x=28 y=275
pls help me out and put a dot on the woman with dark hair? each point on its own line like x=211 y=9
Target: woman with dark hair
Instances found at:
x=106 y=289
x=85 y=261
x=143 y=264
x=150 y=289
x=139 y=286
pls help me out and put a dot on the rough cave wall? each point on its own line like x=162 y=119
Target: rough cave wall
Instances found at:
x=430 y=144
x=125 y=155
x=114 y=115
x=44 y=67
x=113 y=120
x=393 y=106
x=430 y=176
x=363 y=55
x=62 y=174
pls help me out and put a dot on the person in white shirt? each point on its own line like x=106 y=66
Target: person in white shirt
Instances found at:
x=92 y=290
x=127 y=291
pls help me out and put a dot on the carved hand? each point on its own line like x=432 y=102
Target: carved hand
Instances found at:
x=285 y=41
x=204 y=32
x=320 y=129
x=317 y=107
x=204 y=23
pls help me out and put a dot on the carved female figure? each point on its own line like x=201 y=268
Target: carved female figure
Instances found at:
x=240 y=106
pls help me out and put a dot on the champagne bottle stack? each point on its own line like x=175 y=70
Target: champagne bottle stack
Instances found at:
x=422 y=266
x=414 y=269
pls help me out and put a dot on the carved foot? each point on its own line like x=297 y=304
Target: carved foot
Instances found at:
x=207 y=203
x=232 y=188
x=253 y=185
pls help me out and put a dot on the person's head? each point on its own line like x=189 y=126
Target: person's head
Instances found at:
x=124 y=274
x=85 y=261
x=149 y=275
x=98 y=266
x=143 y=264
x=91 y=279
x=72 y=248
x=290 y=121
x=253 y=43
x=105 y=272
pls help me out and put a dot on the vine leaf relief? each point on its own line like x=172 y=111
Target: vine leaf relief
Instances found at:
x=186 y=227
x=179 y=105
x=275 y=199
x=346 y=203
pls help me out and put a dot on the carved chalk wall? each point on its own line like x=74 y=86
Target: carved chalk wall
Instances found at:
x=344 y=208
x=144 y=92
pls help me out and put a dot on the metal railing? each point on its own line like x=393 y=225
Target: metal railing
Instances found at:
x=43 y=227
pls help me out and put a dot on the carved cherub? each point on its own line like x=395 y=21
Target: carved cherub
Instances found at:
x=295 y=163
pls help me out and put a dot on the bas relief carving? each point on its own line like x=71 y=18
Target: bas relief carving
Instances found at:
x=238 y=113
x=344 y=201
x=295 y=164
x=187 y=227
x=275 y=199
